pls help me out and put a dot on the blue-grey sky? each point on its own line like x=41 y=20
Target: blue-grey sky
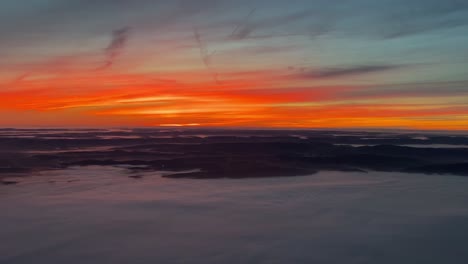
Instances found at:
x=258 y=62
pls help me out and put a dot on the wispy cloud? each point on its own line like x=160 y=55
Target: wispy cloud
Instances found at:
x=416 y=17
x=426 y=89
x=248 y=25
x=243 y=29
x=345 y=56
x=206 y=55
x=346 y=71
x=115 y=47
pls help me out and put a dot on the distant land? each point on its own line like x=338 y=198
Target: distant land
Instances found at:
x=224 y=153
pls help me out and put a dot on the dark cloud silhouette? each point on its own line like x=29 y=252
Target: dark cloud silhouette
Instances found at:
x=115 y=47
x=347 y=71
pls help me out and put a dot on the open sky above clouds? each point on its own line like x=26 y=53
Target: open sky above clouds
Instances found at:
x=236 y=63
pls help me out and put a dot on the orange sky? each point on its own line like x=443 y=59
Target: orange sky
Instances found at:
x=251 y=100
x=211 y=69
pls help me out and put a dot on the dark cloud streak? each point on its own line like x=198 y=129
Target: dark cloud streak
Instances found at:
x=428 y=89
x=115 y=47
x=205 y=55
x=416 y=17
x=243 y=30
x=347 y=71
x=247 y=27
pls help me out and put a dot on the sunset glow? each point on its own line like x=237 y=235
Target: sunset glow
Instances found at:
x=222 y=64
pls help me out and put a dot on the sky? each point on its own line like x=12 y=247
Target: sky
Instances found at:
x=235 y=63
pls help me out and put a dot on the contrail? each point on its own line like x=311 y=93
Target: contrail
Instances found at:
x=243 y=30
x=115 y=47
x=205 y=55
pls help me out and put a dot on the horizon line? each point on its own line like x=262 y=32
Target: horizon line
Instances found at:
x=357 y=129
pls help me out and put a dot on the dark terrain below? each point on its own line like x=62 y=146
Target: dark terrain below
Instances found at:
x=231 y=153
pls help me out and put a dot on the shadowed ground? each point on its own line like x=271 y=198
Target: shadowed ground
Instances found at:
x=233 y=153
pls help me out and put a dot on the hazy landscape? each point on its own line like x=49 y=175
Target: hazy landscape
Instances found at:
x=228 y=153
x=234 y=131
x=231 y=196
